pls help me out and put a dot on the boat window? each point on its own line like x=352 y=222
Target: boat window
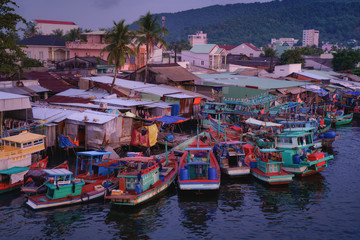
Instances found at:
x=28 y=144
x=18 y=145
x=300 y=140
x=285 y=140
x=308 y=139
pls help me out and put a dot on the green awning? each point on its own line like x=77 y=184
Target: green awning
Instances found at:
x=14 y=170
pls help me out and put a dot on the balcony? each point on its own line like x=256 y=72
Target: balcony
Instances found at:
x=85 y=45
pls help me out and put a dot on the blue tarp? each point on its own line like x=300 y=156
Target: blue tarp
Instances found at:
x=64 y=141
x=170 y=119
x=353 y=93
x=321 y=92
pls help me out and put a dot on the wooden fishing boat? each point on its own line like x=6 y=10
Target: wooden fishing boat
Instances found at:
x=16 y=154
x=142 y=179
x=338 y=118
x=63 y=189
x=34 y=180
x=198 y=168
x=230 y=156
x=298 y=155
x=266 y=166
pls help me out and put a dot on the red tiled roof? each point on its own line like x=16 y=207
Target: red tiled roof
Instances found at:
x=54 y=22
x=252 y=46
x=48 y=81
x=228 y=47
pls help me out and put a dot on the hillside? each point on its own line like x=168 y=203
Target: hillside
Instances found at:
x=337 y=20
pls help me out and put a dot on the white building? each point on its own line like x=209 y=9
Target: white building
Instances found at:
x=290 y=41
x=198 y=38
x=310 y=38
x=247 y=49
x=209 y=56
x=46 y=27
x=285 y=70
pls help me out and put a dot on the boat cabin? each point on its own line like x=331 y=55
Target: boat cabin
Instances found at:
x=93 y=165
x=269 y=160
x=139 y=174
x=60 y=183
x=198 y=163
x=294 y=140
x=230 y=153
x=17 y=150
x=12 y=175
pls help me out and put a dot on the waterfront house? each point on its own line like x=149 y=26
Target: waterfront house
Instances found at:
x=247 y=49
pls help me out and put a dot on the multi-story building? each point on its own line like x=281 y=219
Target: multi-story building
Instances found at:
x=310 y=37
x=198 y=38
x=95 y=43
x=46 y=27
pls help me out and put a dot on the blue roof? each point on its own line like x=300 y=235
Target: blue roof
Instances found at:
x=170 y=119
x=93 y=153
x=202 y=48
x=43 y=40
x=57 y=172
x=13 y=170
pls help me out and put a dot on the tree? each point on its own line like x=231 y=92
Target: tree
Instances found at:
x=74 y=34
x=119 y=39
x=10 y=53
x=269 y=53
x=150 y=33
x=345 y=59
x=292 y=56
x=30 y=30
x=58 y=33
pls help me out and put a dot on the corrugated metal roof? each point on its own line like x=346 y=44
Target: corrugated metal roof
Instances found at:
x=158 y=90
x=92 y=117
x=348 y=84
x=247 y=81
x=219 y=51
x=159 y=105
x=6 y=95
x=202 y=48
x=37 y=88
x=87 y=105
x=179 y=95
x=16 y=90
x=51 y=114
x=122 y=102
x=312 y=75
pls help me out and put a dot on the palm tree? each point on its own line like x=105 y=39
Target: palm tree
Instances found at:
x=150 y=32
x=74 y=34
x=58 y=33
x=30 y=30
x=119 y=39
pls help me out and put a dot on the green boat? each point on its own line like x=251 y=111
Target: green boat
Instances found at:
x=338 y=118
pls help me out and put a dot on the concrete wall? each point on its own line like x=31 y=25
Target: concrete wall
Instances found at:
x=246 y=50
x=47 y=29
x=285 y=70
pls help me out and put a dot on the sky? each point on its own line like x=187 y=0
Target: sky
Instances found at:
x=95 y=14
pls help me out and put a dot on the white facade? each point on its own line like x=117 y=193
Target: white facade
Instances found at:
x=46 y=53
x=198 y=38
x=310 y=38
x=209 y=56
x=246 y=49
x=285 y=70
x=290 y=41
x=46 y=27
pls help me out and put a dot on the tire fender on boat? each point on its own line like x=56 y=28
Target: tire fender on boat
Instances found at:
x=84 y=196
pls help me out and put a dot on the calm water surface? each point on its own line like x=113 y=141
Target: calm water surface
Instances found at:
x=325 y=206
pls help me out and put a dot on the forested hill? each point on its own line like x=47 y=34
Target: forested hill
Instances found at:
x=337 y=20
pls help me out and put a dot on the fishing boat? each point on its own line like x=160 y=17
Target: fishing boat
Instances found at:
x=198 y=168
x=63 y=189
x=266 y=166
x=142 y=179
x=298 y=155
x=230 y=156
x=92 y=166
x=338 y=118
x=16 y=154
x=34 y=180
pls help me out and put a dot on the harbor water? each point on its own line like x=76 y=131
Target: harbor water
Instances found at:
x=324 y=206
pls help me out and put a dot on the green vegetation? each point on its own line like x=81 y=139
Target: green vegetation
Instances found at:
x=149 y=33
x=119 y=39
x=233 y=24
x=10 y=53
x=30 y=62
x=345 y=59
x=356 y=71
x=292 y=56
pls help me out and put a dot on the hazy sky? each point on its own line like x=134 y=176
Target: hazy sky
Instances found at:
x=95 y=14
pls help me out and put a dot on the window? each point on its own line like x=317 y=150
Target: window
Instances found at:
x=28 y=54
x=87 y=54
x=202 y=62
x=193 y=62
x=41 y=55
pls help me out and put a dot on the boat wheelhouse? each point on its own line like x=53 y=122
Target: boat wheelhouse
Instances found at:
x=298 y=155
